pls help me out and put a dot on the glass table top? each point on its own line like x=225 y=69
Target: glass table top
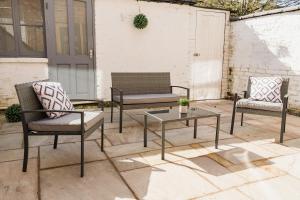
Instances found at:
x=175 y=115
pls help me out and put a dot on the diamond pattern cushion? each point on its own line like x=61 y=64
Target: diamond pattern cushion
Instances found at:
x=259 y=105
x=70 y=122
x=52 y=97
x=266 y=89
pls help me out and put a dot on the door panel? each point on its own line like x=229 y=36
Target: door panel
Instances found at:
x=208 y=58
x=69 y=27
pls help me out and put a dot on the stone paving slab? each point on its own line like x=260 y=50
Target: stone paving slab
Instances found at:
x=167 y=181
x=232 y=194
x=68 y=154
x=184 y=136
x=11 y=141
x=218 y=175
x=279 y=188
x=133 y=148
x=131 y=134
x=251 y=164
x=17 y=185
x=101 y=181
x=238 y=151
x=17 y=154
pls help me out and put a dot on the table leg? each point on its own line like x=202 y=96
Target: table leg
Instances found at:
x=217 y=132
x=195 y=128
x=145 y=130
x=162 y=141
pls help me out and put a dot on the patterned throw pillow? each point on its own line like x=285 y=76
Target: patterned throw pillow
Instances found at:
x=266 y=89
x=52 y=97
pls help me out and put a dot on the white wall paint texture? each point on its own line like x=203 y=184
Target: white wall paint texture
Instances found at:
x=166 y=45
x=19 y=70
x=267 y=46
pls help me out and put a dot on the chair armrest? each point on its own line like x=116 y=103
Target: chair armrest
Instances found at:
x=241 y=95
x=285 y=101
x=181 y=87
x=117 y=90
x=45 y=111
x=245 y=93
x=23 y=112
x=99 y=101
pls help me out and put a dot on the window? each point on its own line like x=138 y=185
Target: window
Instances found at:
x=21 y=28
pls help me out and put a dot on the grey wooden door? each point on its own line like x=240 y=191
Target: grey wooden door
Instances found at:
x=69 y=33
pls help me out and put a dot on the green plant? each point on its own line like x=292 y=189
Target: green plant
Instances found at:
x=239 y=7
x=13 y=113
x=184 y=102
x=140 y=21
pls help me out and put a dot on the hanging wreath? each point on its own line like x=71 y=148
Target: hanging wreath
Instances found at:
x=140 y=21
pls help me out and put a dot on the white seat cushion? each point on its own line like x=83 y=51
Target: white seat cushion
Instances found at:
x=259 y=105
x=69 y=122
x=148 y=98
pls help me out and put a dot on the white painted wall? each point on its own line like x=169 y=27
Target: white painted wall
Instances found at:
x=267 y=46
x=166 y=45
x=19 y=70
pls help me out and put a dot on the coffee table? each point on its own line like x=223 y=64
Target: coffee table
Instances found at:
x=173 y=115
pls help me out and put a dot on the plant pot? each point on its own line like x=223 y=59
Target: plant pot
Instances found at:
x=183 y=109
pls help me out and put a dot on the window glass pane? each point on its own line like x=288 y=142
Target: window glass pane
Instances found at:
x=30 y=12
x=5 y=11
x=32 y=40
x=7 y=41
x=80 y=29
x=61 y=27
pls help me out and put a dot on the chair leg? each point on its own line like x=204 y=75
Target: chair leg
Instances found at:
x=26 y=146
x=102 y=137
x=233 y=114
x=82 y=157
x=111 y=111
x=55 y=142
x=283 y=124
x=121 y=118
x=242 y=119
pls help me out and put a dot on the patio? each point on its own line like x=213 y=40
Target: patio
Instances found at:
x=249 y=165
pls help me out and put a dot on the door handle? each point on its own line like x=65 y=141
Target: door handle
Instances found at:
x=91 y=53
x=196 y=54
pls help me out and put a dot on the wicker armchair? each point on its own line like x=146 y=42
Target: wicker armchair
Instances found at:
x=245 y=105
x=35 y=122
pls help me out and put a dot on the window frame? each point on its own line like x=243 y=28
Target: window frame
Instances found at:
x=17 y=33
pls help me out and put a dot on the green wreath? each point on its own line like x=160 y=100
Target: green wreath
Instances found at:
x=140 y=21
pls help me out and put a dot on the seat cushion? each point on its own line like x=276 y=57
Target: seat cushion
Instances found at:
x=70 y=122
x=148 y=98
x=259 y=105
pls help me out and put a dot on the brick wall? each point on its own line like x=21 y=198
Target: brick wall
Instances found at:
x=266 y=46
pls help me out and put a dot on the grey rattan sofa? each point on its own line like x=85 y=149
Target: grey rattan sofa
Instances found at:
x=262 y=108
x=35 y=122
x=142 y=90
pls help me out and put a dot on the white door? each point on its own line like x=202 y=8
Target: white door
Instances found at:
x=208 y=55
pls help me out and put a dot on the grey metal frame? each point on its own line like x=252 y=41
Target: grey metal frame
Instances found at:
x=32 y=110
x=282 y=114
x=132 y=84
x=163 y=128
x=17 y=32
